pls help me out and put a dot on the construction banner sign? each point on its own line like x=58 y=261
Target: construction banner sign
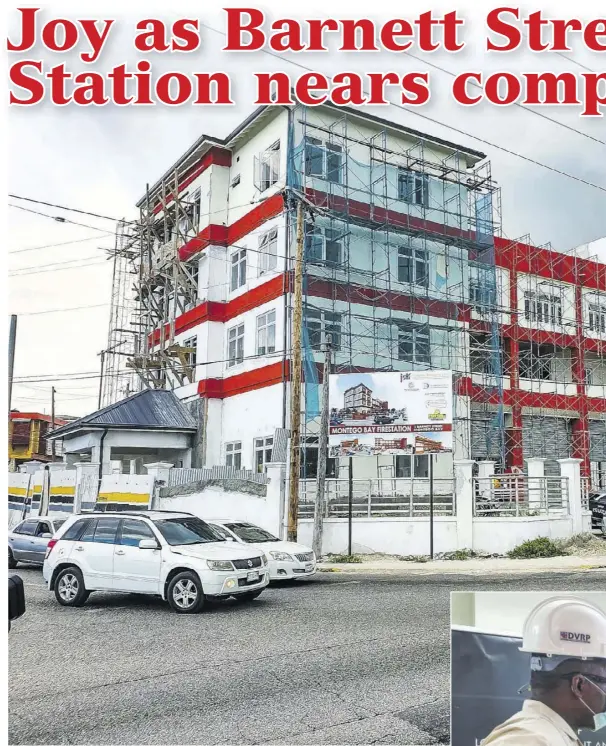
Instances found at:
x=390 y=413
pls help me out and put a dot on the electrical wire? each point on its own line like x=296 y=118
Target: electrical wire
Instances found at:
x=62 y=310
x=56 y=269
x=53 y=245
x=63 y=207
x=60 y=219
x=491 y=144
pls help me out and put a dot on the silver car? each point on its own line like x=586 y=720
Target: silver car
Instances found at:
x=28 y=540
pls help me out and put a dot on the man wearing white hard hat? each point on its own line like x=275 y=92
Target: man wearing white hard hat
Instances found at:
x=566 y=640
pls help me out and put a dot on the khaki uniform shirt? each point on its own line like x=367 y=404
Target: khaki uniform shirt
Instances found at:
x=535 y=725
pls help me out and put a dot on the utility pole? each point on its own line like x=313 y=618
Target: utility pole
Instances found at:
x=102 y=356
x=295 y=383
x=322 y=450
x=12 y=339
x=53 y=392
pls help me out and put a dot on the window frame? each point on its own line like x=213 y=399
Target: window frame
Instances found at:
x=413 y=187
x=139 y=522
x=415 y=258
x=233 y=453
x=325 y=151
x=416 y=331
x=239 y=342
x=264 y=448
x=263 y=326
x=323 y=326
x=268 y=260
x=238 y=269
x=269 y=167
x=543 y=308
x=192 y=357
x=329 y=240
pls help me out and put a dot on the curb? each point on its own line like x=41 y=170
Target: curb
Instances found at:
x=420 y=569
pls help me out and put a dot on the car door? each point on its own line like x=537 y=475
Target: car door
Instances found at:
x=42 y=534
x=136 y=570
x=94 y=553
x=23 y=540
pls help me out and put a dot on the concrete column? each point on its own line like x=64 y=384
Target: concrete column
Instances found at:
x=537 y=492
x=571 y=468
x=87 y=486
x=159 y=470
x=485 y=474
x=463 y=471
x=276 y=497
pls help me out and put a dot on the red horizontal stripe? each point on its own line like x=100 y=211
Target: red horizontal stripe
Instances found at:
x=215 y=156
x=242 y=383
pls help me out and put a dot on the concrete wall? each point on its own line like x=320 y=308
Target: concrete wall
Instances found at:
x=500 y=535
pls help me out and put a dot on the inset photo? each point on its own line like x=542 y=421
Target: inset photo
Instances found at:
x=528 y=669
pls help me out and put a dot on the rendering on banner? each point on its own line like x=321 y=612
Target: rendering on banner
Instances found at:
x=390 y=413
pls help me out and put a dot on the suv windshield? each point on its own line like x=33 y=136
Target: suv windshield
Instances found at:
x=249 y=533
x=178 y=531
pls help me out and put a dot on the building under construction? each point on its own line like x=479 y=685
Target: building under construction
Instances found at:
x=404 y=268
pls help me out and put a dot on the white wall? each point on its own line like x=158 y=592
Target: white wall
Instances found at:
x=500 y=535
x=563 y=290
x=217 y=503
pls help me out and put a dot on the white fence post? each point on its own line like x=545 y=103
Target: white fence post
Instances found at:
x=158 y=471
x=571 y=468
x=537 y=492
x=464 y=496
x=485 y=474
x=87 y=486
x=276 y=496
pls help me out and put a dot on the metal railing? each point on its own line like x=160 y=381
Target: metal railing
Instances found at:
x=520 y=496
x=178 y=477
x=379 y=498
x=585 y=490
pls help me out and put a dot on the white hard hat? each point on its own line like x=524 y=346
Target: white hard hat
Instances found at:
x=562 y=628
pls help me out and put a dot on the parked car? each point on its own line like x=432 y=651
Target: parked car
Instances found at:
x=603 y=527
x=287 y=560
x=28 y=540
x=173 y=555
x=384 y=419
x=16 y=599
x=597 y=505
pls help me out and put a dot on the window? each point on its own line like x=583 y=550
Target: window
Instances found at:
x=74 y=532
x=481 y=294
x=43 y=528
x=250 y=534
x=263 y=449
x=597 y=318
x=233 y=454
x=319 y=325
x=535 y=360
x=106 y=530
x=543 y=308
x=413 y=266
x=417 y=466
x=324 y=161
x=182 y=531
x=134 y=531
x=268 y=251
x=268 y=167
x=413 y=343
x=235 y=181
x=238 y=269
x=323 y=245
x=484 y=358
x=413 y=187
x=235 y=346
x=28 y=528
x=190 y=346
x=223 y=532
x=266 y=333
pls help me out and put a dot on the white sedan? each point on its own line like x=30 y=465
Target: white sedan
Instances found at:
x=287 y=560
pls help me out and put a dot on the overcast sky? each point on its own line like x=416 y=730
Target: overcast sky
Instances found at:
x=99 y=160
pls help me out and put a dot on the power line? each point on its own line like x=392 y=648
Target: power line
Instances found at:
x=55 y=264
x=59 y=219
x=62 y=310
x=63 y=207
x=56 y=269
x=437 y=121
x=53 y=245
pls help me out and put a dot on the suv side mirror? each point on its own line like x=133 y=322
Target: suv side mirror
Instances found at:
x=46 y=536
x=148 y=544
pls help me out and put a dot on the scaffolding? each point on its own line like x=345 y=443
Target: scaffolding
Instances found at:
x=152 y=286
x=393 y=236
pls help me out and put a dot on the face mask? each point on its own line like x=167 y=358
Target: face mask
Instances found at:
x=599 y=718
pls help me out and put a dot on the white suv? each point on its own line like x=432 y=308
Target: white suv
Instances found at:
x=173 y=555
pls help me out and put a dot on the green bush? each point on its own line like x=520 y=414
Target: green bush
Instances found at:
x=535 y=548
x=345 y=559
x=414 y=558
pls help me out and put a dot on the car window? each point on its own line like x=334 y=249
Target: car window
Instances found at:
x=134 y=531
x=43 y=528
x=56 y=526
x=249 y=533
x=74 y=532
x=106 y=530
x=192 y=530
x=89 y=531
x=28 y=528
x=221 y=530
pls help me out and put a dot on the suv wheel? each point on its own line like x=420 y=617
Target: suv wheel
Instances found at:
x=243 y=597
x=69 y=587
x=12 y=562
x=185 y=594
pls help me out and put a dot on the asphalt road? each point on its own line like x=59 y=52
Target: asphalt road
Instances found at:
x=340 y=660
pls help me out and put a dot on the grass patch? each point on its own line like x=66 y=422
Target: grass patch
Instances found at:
x=345 y=559
x=537 y=548
x=414 y=558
